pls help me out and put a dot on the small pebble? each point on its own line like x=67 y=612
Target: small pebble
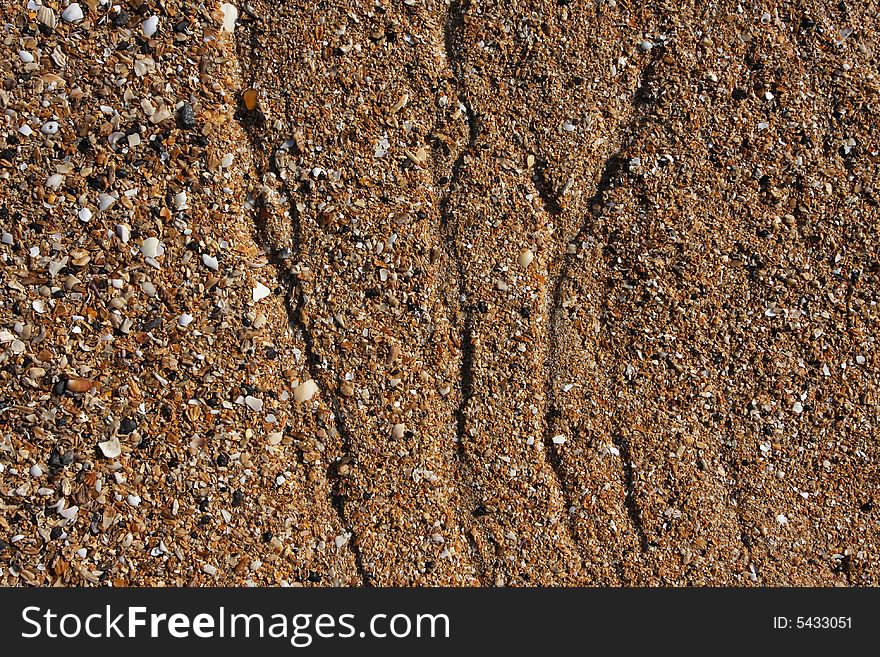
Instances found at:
x=50 y=128
x=525 y=258
x=184 y=320
x=133 y=500
x=127 y=426
x=79 y=385
x=210 y=262
x=249 y=98
x=254 y=403
x=36 y=471
x=186 y=116
x=25 y=56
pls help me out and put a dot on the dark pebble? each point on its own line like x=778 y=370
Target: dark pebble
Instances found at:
x=314 y=577
x=186 y=117
x=55 y=459
x=3 y=545
x=237 y=498
x=223 y=460
x=56 y=533
x=127 y=426
x=121 y=19
x=68 y=457
x=153 y=323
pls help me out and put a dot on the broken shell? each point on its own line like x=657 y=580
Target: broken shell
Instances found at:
x=111 y=448
x=305 y=391
x=230 y=15
x=152 y=248
x=261 y=292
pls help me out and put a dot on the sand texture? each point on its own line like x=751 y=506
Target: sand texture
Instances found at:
x=413 y=292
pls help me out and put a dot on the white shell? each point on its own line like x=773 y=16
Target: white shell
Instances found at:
x=150 y=26
x=152 y=248
x=261 y=292
x=111 y=448
x=73 y=13
x=305 y=391
x=230 y=15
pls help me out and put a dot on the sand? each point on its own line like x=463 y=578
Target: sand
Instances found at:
x=532 y=293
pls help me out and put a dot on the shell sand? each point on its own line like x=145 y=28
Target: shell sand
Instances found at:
x=439 y=293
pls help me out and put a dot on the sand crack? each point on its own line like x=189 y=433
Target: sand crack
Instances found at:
x=452 y=30
x=609 y=175
x=295 y=299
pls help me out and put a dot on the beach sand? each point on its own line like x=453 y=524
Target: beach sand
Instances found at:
x=524 y=293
